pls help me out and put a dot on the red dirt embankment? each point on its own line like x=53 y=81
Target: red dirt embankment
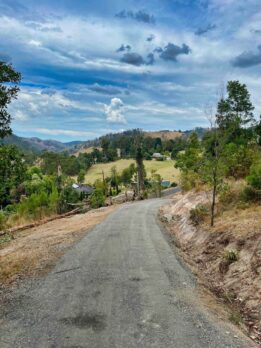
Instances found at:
x=237 y=283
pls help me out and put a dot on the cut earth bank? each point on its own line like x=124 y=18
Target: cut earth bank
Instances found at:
x=236 y=283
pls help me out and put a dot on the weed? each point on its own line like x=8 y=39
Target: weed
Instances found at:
x=235 y=317
x=198 y=214
x=6 y=238
x=231 y=256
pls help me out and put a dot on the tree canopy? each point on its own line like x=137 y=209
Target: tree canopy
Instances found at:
x=9 y=79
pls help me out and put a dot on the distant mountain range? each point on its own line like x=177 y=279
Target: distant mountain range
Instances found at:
x=39 y=145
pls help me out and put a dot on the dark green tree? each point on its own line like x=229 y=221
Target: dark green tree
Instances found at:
x=235 y=112
x=9 y=79
x=12 y=173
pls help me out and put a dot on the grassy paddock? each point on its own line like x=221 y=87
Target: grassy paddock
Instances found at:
x=165 y=169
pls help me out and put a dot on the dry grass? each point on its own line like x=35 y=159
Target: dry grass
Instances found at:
x=35 y=250
x=164 y=168
x=164 y=135
x=86 y=150
x=236 y=229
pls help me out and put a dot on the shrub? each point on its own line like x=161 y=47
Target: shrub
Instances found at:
x=97 y=198
x=173 y=184
x=253 y=191
x=226 y=195
x=68 y=196
x=189 y=180
x=231 y=256
x=254 y=179
x=250 y=194
x=3 y=221
x=235 y=318
x=198 y=214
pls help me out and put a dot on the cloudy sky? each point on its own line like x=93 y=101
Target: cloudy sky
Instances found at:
x=98 y=66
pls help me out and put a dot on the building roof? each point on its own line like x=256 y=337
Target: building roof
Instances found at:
x=83 y=188
x=157 y=154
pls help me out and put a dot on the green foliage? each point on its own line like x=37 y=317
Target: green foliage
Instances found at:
x=9 y=79
x=6 y=238
x=198 y=214
x=115 y=179
x=189 y=180
x=252 y=192
x=191 y=158
x=68 y=196
x=70 y=165
x=235 y=317
x=235 y=112
x=226 y=195
x=231 y=256
x=156 y=180
x=3 y=221
x=34 y=206
x=254 y=179
x=12 y=173
x=81 y=176
x=238 y=159
x=97 y=198
x=127 y=174
x=173 y=184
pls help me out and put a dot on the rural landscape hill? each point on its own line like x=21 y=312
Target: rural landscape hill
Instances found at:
x=35 y=144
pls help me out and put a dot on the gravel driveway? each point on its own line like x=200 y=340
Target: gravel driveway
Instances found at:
x=120 y=286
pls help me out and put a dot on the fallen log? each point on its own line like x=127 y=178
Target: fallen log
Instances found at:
x=39 y=223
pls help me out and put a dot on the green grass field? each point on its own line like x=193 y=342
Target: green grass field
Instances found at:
x=165 y=169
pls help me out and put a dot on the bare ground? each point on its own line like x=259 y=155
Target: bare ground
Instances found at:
x=238 y=284
x=34 y=251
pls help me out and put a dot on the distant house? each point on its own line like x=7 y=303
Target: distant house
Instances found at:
x=84 y=190
x=158 y=156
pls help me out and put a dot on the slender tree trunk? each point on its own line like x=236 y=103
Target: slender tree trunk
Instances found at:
x=140 y=174
x=214 y=193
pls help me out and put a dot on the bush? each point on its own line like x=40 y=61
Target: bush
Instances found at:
x=253 y=191
x=231 y=256
x=3 y=221
x=173 y=184
x=226 y=196
x=250 y=194
x=254 y=179
x=68 y=196
x=189 y=180
x=198 y=214
x=97 y=199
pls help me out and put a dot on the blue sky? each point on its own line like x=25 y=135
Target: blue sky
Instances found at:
x=93 y=67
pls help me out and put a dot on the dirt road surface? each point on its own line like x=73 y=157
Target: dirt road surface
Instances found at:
x=121 y=286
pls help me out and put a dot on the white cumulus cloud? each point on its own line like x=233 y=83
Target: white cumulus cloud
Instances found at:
x=114 y=111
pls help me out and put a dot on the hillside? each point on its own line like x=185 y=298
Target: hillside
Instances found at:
x=165 y=169
x=164 y=134
x=37 y=145
x=236 y=282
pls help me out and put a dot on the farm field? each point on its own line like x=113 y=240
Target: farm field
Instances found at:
x=165 y=169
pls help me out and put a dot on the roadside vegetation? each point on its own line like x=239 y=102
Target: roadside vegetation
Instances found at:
x=229 y=154
x=216 y=220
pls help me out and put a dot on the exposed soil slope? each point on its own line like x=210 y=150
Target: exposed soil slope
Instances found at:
x=164 y=135
x=237 y=283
